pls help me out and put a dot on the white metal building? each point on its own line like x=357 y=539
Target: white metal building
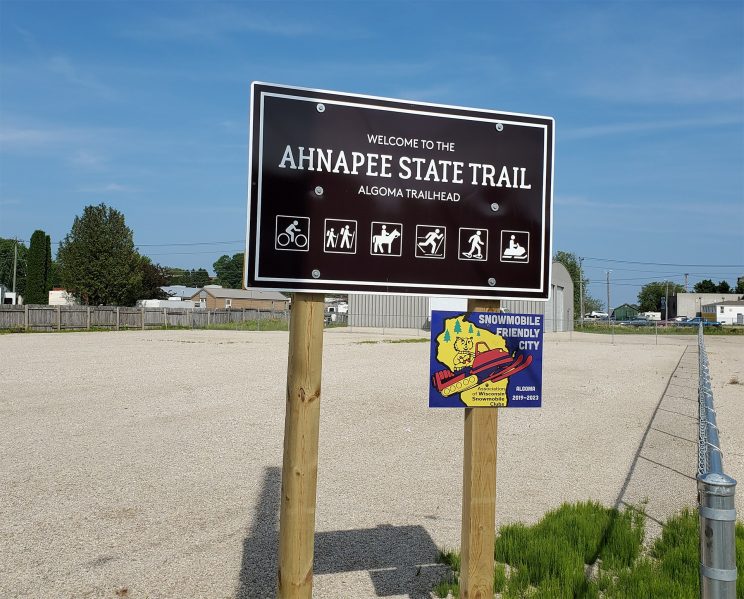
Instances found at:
x=691 y=304
x=413 y=312
x=725 y=312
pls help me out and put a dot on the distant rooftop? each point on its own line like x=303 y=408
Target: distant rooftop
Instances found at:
x=221 y=292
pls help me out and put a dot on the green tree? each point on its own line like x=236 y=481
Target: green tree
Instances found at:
x=739 y=285
x=705 y=286
x=229 y=271
x=571 y=262
x=7 y=250
x=649 y=297
x=98 y=261
x=200 y=278
x=37 y=278
x=724 y=287
x=154 y=277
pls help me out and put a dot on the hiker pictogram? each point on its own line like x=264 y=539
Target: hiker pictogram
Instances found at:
x=430 y=241
x=515 y=246
x=340 y=236
x=386 y=239
x=473 y=244
x=292 y=233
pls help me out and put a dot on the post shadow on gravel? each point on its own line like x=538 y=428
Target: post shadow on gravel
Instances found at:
x=400 y=559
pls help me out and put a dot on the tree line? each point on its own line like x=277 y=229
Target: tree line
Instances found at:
x=652 y=295
x=98 y=263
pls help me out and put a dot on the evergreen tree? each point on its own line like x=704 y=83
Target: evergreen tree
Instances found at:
x=724 y=287
x=38 y=270
x=98 y=261
x=49 y=266
x=705 y=286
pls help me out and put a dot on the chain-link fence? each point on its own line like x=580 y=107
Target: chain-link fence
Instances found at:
x=716 y=496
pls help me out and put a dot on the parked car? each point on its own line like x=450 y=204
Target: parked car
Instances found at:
x=693 y=322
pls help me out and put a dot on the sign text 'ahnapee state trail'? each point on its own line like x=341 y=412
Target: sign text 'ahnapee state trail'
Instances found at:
x=356 y=194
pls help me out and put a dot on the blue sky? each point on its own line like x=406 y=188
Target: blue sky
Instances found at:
x=144 y=106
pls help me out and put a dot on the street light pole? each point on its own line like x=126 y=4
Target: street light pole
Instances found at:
x=581 y=290
x=15 y=264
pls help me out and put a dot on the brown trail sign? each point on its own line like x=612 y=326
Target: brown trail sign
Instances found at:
x=359 y=194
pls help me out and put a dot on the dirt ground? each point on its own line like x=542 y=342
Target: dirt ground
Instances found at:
x=148 y=464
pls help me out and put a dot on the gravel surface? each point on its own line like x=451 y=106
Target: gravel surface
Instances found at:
x=147 y=464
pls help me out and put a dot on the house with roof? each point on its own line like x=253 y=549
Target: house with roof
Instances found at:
x=727 y=312
x=625 y=312
x=214 y=297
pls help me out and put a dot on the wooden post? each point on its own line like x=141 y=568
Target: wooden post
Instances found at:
x=300 y=465
x=88 y=319
x=25 y=316
x=479 y=492
x=117 y=318
x=142 y=311
x=165 y=318
x=59 y=317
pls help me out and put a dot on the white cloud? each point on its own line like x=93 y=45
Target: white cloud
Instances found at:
x=646 y=126
x=108 y=188
x=87 y=159
x=217 y=24
x=63 y=66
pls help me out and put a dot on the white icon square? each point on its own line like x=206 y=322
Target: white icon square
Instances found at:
x=340 y=236
x=472 y=244
x=292 y=233
x=515 y=247
x=386 y=239
x=431 y=241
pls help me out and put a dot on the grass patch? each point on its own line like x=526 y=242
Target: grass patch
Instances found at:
x=406 y=340
x=550 y=559
x=606 y=329
x=269 y=324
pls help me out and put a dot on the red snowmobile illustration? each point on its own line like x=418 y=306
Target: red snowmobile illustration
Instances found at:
x=489 y=365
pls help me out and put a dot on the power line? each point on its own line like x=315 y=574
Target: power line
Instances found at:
x=665 y=263
x=144 y=245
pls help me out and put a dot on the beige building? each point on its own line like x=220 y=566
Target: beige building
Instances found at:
x=213 y=297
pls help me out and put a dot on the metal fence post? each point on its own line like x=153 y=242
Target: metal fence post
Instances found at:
x=117 y=318
x=87 y=320
x=25 y=317
x=717 y=536
x=142 y=312
x=59 y=317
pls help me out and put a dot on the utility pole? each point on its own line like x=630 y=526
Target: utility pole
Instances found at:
x=666 y=303
x=15 y=263
x=686 y=275
x=608 y=294
x=581 y=290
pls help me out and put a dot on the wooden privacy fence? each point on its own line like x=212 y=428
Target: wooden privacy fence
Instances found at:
x=59 y=318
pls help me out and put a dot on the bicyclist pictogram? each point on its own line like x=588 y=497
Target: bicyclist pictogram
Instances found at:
x=292 y=233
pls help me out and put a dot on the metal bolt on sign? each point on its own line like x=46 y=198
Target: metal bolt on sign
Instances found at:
x=320 y=107
x=495 y=207
x=499 y=127
x=316 y=274
x=492 y=282
x=318 y=191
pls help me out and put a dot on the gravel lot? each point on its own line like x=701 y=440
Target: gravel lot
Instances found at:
x=147 y=464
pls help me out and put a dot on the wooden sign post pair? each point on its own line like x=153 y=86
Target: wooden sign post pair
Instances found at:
x=300 y=465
